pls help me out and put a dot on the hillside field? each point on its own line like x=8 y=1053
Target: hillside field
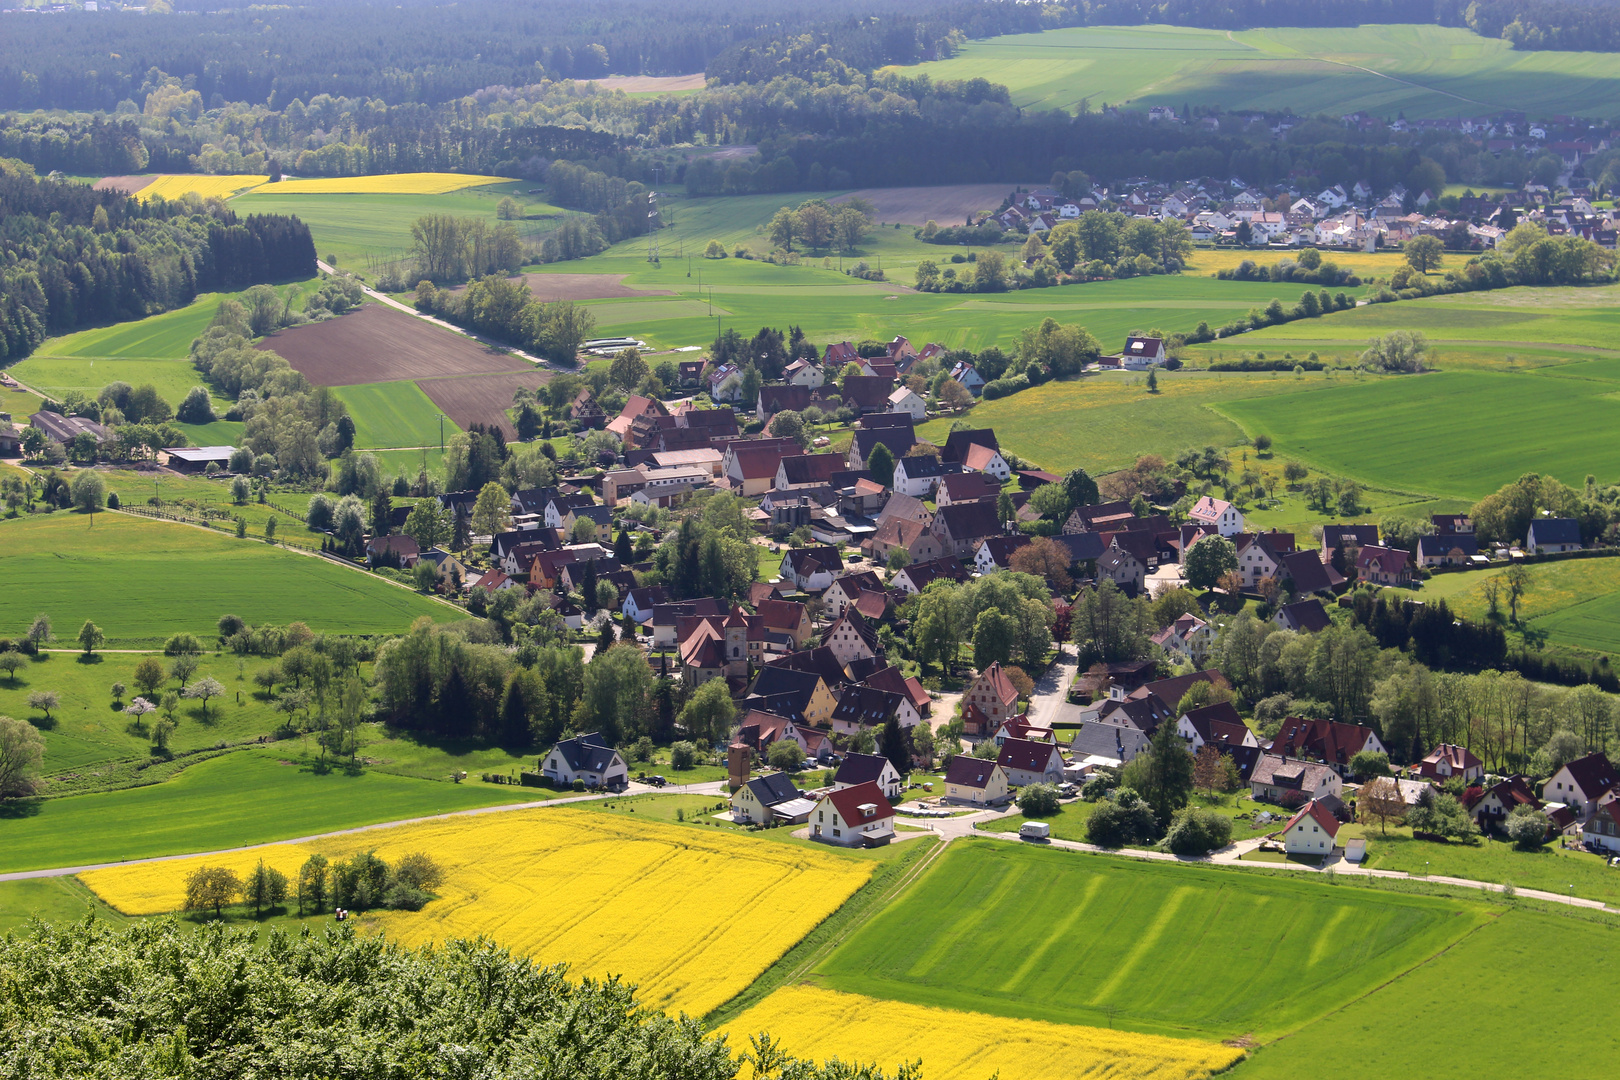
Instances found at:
x=1101 y=942
x=1417 y=70
x=245 y=797
x=142 y=580
x=1567 y=603
x=393 y=414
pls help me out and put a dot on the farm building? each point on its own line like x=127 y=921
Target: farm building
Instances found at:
x=198 y=458
x=64 y=429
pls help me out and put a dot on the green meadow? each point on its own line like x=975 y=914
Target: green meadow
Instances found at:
x=1571 y=603
x=246 y=797
x=354 y=226
x=142 y=580
x=1168 y=949
x=1422 y=1023
x=1418 y=70
x=393 y=414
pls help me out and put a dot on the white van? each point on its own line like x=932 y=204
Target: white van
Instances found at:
x=1035 y=830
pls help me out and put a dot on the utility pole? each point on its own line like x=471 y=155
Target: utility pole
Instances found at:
x=652 y=218
x=441 y=436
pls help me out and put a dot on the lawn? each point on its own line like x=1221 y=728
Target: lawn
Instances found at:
x=1549 y=869
x=246 y=797
x=389 y=414
x=1164 y=949
x=1550 y=961
x=56 y=900
x=1415 y=70
x=142 y=580
x=1070 y=821
x=1576 y=602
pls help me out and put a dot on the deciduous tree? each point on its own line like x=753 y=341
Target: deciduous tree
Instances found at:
x=22 y=749
x=211 y=887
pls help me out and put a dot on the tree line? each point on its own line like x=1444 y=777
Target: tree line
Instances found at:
x=76 y=257
x=506 y=309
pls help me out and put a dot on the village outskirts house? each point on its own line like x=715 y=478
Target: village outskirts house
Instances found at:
x=1217 y=514
x=1549 y=536
x=770 y=798
x=874 y=769
x=1312 y=831
x=1583 y=785
x=1384 y=566
x=1189 y=638
x=1141 y=353
x=1603 y=830
x=972 y=781
x=588 y=759
x=856 y=816
x=1027 y=761
x=1274 y=776
x=1446 y=761
x=908 y=401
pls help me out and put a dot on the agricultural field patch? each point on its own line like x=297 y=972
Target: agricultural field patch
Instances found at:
x=1421 y=71
x=417 y=183
x=1460 y=434
x=821 y=1024
x=54 y=376
x=1105 y=942
x=1409 y=1009
x=129 y=185
x=392 y=414
x=364 y=232
x=651 y=84
x=159 y=337
x=175 y=185
x=575 y=886
x=583 y=287
x=947 y=204
x=142 y=580
x=481 y=399
x=376 y=343
x=240 y=798
x=1104 y=422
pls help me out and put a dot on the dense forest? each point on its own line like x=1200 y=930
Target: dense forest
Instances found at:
x=73 y=257
x=438 y=52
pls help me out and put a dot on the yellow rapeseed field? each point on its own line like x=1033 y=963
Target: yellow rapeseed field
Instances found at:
x=690 y=916
x=172 y=186
x=419 y=183
x=820 y=1024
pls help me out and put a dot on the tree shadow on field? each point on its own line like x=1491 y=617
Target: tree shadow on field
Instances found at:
x=43 y=723
x=17 y=809
x=90 y=658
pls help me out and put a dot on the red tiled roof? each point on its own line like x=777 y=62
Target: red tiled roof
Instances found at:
x=1318 y=813
x=848 y=801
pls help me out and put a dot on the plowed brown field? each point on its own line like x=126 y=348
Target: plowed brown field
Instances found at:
x=379 y=344
x=481 y=399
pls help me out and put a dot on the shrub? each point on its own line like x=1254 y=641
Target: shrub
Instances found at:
x=1197 y=832
x=182 y=645
x=1038 y=800
x=683 y=755
x=1292 y=800
x=1527 y=828
x=1123 y=819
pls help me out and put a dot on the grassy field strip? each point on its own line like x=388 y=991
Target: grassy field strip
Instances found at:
x=391 y=414
x=1260 y=932
x=141 y=580
x=1418 y=70
x=242 y=798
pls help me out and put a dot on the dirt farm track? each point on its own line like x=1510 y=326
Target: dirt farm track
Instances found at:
x=378 y=344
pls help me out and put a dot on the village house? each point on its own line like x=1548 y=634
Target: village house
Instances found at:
x=859 y=769
x=802 y=696
x=586 y=758
x=803 y=372
x=977 y=451
x=399 y=548
x=1216 y=725
x=915 y=578
x=788 y=617
x=1274 y=776
x=1123 y=569
x=1026 y=761
x=1141 y=353
x=751 y=467
x=1582 y=785
x=770 y=798
x=914 y=537
x=1312 y=831
x=1310 y=574
x=972 y=781
x=853 y=817
x=1326 y=742
x=1446 y=549
x=965 y=373
x=960 y=527
x=1384 y=566
x=866 y=708
x=851 y=638
x=1303 y=616
x=1548 y=536
x=908 y=401
x=996 y=552
x=1217 y=514
x=1188 y=638
x=808 y=469
x=811 y=569
x=846 y=589
x=1603 y=830
x=917 y=475
x=966 y=487
x=898 y=438
x=640 y=603
x=988 y=700
x=1446 y=761
x=1491 y=806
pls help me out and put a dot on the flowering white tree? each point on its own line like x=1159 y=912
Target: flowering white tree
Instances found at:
x=204 y=689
